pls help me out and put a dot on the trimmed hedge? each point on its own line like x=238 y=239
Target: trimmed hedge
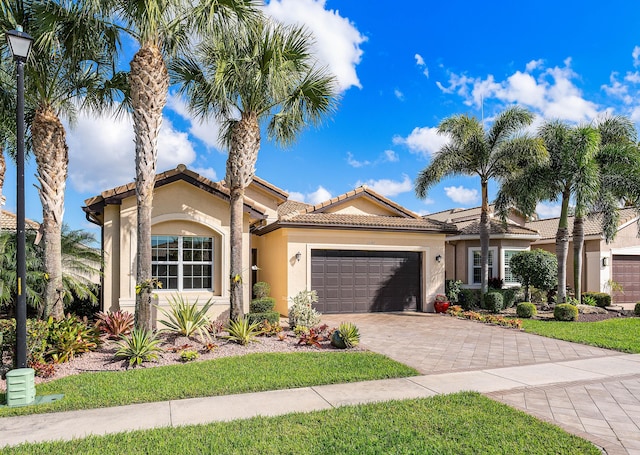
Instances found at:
x=37 y=334
x=602 y=298
x=526 y=310
x=493 y=301
x=262 y=305
x=565 y=312
x=272 y=316
x=636 y=309
x=468 y=298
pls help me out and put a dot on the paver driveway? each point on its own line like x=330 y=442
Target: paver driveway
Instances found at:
x=605 y=411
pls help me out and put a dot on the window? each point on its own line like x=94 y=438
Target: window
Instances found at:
x=507 y=255
x=475 y=268
x=181 y=263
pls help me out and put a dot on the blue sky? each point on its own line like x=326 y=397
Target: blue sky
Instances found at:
x=402 y=68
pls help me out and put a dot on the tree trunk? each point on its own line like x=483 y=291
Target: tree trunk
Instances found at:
x=578 y=247
x=243 y=154
x=484 y=240
x=562 y=247
x=52 y=160
x=149 y=81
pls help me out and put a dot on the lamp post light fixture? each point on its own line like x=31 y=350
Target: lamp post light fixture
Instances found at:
x=20 y=45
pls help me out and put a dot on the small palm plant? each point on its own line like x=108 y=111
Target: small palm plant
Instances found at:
x=186 y=318
x=242 y=331
x=141 y=346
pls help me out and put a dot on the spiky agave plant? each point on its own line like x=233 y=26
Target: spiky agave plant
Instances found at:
x=141 y=346
x=345 y=336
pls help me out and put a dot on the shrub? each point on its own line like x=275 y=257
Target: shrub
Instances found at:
x=139 y=347
x=114 y=324
x=242 y=331
x=495 y=283
x=262 y=305
x=42 y=369
x=313 y=336
x=509 y=296
x=493 y=301
x=270 y=329
x=588 y=300
x=602 y=298
x=468 y=298
x=565 y=312
x=536 y=268
x=37 y=335
x=70 y=336
x=345 y=336
x=185 y=318
x=526 y=310
x=189 y=356
x=301 y=312
x=453 y=288
x=636 y=309
x=261 y=290
x=273 y=317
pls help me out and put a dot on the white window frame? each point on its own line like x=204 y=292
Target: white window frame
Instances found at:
x=493 y=269
x=180 y=263
x=503 y=264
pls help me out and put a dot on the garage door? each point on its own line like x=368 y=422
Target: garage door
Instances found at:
x=366 y=281
x=626 y=272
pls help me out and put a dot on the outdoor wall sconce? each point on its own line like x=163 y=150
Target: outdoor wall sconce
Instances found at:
x=605 y=261
x=438 y=258
x=298 y=256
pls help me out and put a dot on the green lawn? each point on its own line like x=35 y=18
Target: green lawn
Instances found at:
x=462 y=423
x=621 y=334
x=250 y=373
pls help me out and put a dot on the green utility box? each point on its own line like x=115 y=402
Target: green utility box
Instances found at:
x=21 y=387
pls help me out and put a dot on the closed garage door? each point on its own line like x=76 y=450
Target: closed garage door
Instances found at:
x=366 y=281
x=626 y=272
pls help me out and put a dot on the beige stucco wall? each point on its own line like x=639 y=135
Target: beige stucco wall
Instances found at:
x=287 y=276
x=178 y=209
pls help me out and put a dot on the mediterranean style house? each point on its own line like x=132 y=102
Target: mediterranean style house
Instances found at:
x=360 y=251
x=607 y=267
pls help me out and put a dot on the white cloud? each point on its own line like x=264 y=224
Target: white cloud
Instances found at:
x=102 y=152
x=391 y=156
x=419 y=60
x=208 y=172
x=207 y=131
x=387 y=187
x=545 y=210
x=462 y=195
x=355 y=163
x=636 y=55
x=533 y=64
x=337 y=38
x=316 y=197
x=425 y=140
x=399 y=94
x=296 y=196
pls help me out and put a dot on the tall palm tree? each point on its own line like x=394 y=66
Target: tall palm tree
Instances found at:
x=162 y=29
x=571 y=172
x=72 y=56
x=263 y=74
x=498 y=153
x=617 y=161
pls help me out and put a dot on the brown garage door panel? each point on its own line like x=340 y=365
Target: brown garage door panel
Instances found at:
x=366 y=281
x=626 y=272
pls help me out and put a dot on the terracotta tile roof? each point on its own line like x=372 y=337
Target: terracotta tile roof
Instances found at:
x=360 y=221
x=496 y=227
x=8 y=222
x=549 y=227
x=291 y=206
x=458 y=214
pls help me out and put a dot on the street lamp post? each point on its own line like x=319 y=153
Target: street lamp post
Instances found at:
x=20 y=44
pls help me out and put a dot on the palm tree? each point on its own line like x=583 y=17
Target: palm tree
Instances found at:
x=499 y=153
x=571 y=172
x=71 y=59
x=263 y=75
x=617 y=162
x=161 y=28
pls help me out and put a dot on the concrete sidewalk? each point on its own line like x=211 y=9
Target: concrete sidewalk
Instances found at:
x=509 y=384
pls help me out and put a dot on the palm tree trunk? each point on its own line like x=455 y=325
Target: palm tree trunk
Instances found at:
x=149 y=82
x=562 y=246
x=52 y=159
x=578 y=247
x=484 y=240
x=243 y=154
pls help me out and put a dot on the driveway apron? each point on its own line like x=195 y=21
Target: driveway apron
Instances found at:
x=605 y=410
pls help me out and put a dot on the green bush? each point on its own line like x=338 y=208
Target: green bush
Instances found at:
x=452 y=289
x=185 y=318
x=272 y=316
x=37 y=335
x=526 y=310
x=141 y=346
x=301 y=312
x=588 y=300
x=468 y=298
x=509 y=296
x=70 y=336
x=261 y=290
x=636 y=309
x=602 y=298
x=242 y=331
x=188 y=356
x=262 y=305
x=565 y=312
x=493 y=301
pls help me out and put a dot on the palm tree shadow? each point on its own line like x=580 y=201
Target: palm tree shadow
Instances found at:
x=402 y=290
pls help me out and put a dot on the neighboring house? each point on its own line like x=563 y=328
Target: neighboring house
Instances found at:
x=8 y=222
x=603 y=264
x=360 y=251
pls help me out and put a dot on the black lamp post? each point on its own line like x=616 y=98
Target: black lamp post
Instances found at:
x=20 y=45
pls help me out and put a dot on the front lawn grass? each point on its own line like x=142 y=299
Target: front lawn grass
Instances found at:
x=462 y=423
x=224 y=376
x=621 y=334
